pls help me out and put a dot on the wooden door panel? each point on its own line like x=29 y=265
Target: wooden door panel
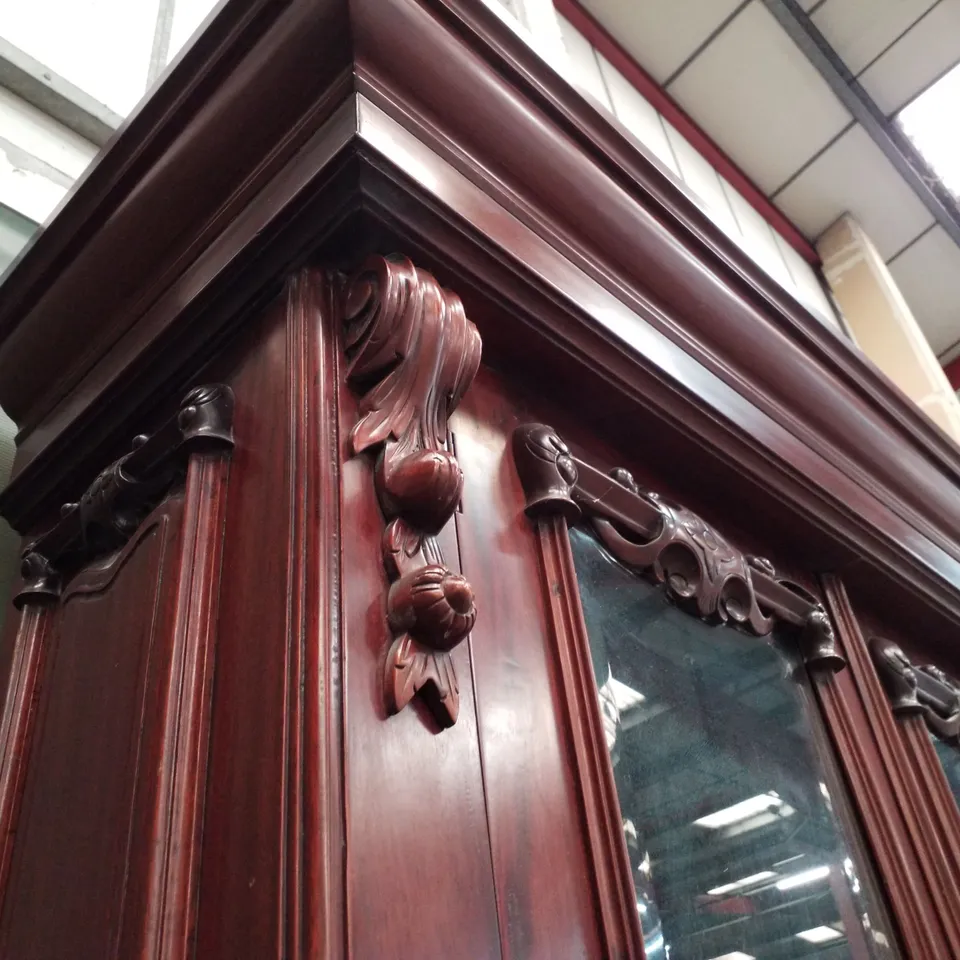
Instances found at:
x=96 y=735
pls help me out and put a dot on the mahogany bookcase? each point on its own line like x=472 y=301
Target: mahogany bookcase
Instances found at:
x=359 y=326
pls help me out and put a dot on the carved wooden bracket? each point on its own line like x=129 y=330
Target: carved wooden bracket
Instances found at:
x=412 y=354
x=697 y=567
x=113 y=506
x=924 y=690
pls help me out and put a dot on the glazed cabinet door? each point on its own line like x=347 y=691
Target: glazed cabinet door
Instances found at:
x=660 y=778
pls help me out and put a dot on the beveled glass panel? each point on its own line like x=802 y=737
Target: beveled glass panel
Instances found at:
x=728 y=810
x=950 y=761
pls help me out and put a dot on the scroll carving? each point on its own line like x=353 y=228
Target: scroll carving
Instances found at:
x=412 y=353
x=113 y=506
x=918 y=690
x=700 y=570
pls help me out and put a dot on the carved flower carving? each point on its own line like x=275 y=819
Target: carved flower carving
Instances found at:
x=433 y=605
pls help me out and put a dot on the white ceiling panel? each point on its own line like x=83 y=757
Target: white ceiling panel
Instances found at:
x=808 y=5
x=758 y=238
x=760 y=99
x=853 y=176
x=928 y=275
x=637 y=114
x=918 y=58
x=860 y=30
x=703 y=181
x=584 y=67
x=660 y=34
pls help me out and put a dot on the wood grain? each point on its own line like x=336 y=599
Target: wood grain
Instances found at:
x=16 y=724
x=541 y=853
x=170 y=923
x=612 y=872
x=75 y=880
x=875 y=764
x=313 y=817
x=419 y=880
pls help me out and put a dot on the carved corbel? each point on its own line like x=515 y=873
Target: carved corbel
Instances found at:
x=112 y=507
x=818 y=644
x=918 y=690
x=547 y=471
x=412 y=354
x=670 y=545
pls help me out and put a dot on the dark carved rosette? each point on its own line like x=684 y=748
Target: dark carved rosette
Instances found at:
x=433 y=605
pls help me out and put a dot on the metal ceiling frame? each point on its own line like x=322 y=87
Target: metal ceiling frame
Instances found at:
x=886 y=134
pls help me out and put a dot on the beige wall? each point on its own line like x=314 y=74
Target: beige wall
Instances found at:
x=882 y=323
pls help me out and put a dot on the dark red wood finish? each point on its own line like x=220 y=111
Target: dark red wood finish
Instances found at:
x=614 y=887
x=216 y=685
x=542 y=862
x=19 y=713
x=83 y=837
x=271 y=881
x=177 y=832
x=895 y=814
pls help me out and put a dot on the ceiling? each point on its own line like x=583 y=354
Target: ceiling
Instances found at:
x=734 y=69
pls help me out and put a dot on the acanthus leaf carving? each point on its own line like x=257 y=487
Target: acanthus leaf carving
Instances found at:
x=412 y=353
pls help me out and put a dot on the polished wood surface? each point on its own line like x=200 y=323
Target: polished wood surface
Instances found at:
x=17 y=723
x=83 y=838
x=546 y=903
x=877 y=768
x=200 y=756
x=182 y=775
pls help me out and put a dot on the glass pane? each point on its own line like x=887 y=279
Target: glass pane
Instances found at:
x=15 y=231
x=736 y=850
x=950 y=761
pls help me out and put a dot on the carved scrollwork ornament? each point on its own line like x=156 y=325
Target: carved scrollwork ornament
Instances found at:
x=918 y=690
x=670 y=545
x=897 y=675
x=412 y=354
x=698 y=568
x=114 y=505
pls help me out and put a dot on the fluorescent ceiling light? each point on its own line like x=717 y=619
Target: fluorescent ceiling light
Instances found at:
x=739 y=884
x=819 y=934
x=623 y=696
x=736 y=955
x=743 y=810
x=801 y=879
x=929 y=121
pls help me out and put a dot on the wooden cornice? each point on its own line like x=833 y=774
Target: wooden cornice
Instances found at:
x=433 y=118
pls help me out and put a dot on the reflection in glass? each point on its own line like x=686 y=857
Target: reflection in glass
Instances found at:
x=950 y=761
x=735 y=848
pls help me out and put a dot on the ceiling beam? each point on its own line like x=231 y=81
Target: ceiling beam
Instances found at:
x=38 y=85
x=886 y=134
